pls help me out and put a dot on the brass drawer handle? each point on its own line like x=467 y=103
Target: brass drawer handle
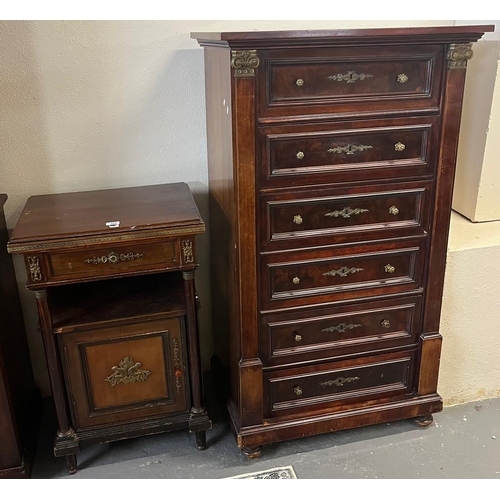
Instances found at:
x=299 y=82
x=389 y=269
x=394 y=210
x=343 y=271
x=339 y=382
x=300 y=155
x=298 y=337
x=402 y=78
x=346 y=212
x=399 y=146
x=385 y=323
x=350 y=149
x=341 y=328
x=349 y=77
x=113 y=258
x=296 y=280
x=297 y=219
x=297 y=390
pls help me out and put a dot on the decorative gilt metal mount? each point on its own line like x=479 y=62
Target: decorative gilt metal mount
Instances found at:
x=177 y=361
x=114 y=258
x=346 y=212
x=458 y=54
x=187 y=251
x=34 y=267
x=339 y=382
x=341 y=328
x=350 y=149
x=343 y=271
x=127 y=372
x=244 y=63
x=350 y=77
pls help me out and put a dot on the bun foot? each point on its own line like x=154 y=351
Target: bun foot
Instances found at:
x=252 y=451
x=424 y=421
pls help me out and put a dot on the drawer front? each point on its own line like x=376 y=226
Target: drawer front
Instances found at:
x=308 y=217
x=296 y=391
x=315 y=277
x=113 y=260
x=124 y=373
x=292 y=155
x=291 y=337
x=374 y=78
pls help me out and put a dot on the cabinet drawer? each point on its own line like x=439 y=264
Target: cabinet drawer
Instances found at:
x=345 y=80
x=334 y=152
x=329 y=385
x=113 y=260
x=315 y=277
x=123 y=373
x=305 y=218
x=327 y=332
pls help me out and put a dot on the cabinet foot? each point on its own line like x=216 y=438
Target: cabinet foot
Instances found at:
x=71 y=464
x=201 y=440
x=252 y=451
x=424 y=420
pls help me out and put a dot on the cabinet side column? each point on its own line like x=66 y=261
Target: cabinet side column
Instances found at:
x=245 y=67
x=66 y=442
x=431 y=339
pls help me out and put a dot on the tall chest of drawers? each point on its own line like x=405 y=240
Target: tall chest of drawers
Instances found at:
x=331 y=164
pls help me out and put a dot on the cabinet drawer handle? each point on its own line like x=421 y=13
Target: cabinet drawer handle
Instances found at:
x=343 y=271
x=385 y=323
x=296 y=280
x=299 y=82
x=297 y=390
x=402 y=78
x=399 y=146
x=389 y=269
x=300 y=155
x=346 y=212
x=298 y=219
x=349 y=149
x=349 y=77
x=298 y=337
x=394 y=210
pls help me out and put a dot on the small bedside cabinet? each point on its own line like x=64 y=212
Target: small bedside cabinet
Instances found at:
x=113 y=276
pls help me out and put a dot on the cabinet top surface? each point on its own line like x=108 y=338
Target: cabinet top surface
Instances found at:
x=111 y=211
x=437 y=33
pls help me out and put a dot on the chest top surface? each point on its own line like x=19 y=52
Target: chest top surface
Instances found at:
x=106 y=213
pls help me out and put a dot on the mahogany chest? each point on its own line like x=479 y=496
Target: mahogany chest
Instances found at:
x=113 y=276
x=331 y=164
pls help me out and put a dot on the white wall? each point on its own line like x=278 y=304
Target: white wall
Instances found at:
x=101 y=104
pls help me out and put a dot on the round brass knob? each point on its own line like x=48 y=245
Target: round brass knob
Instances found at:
x=389 y=269
x=393 y=210
x=299 y=82
x=402 y=78
x=178 y=374
x=399 y=146
x=300 y=155
x=297 y=390
x=385 y=323
x=297 y=219
x=296 y=280
x=298 y=338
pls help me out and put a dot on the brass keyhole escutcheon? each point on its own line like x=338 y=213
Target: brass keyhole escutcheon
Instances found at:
x=399 y=146
x=300 y=155
x=299 y=82
x=402 y=78
x=298 y=337
x=394 y=210
x=389 y=269
x=298 y=219
x=297 y=390
x=296 y=280
x=385 y=323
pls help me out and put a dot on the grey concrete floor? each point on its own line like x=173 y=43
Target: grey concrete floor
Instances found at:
x=462 y=443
